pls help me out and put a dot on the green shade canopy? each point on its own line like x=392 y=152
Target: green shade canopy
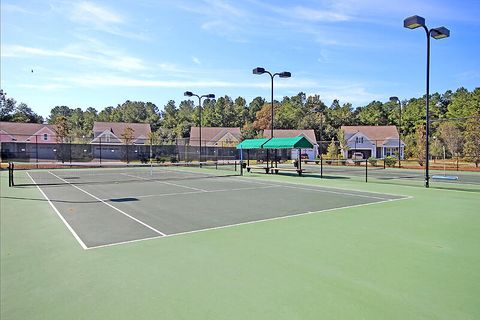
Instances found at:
x=252 y=143
x=288 y=143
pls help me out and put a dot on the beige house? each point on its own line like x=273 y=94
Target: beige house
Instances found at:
x=372 y=141
x=215 y=136
x=111 y=132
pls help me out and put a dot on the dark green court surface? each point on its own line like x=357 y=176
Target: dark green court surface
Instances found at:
x=103 y=214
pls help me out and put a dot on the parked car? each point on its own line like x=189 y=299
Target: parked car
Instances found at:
x=357 y=156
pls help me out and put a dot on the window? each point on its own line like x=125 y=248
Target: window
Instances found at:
x=45 y=136
x=358 y=139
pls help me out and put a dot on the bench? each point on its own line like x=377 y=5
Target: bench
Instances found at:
x=250 y=168
x=299 y=171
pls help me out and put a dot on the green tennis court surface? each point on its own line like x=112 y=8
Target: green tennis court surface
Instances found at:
x=228 y=247
x=186 y=200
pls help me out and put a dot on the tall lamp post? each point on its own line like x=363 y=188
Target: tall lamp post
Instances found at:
x=395 y=99
x=414 y=22
x=284 y=74
x=209 y=96
x=3 y=98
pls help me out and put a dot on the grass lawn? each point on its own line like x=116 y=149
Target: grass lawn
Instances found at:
x=411 y=259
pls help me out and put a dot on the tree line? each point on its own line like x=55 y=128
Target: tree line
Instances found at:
x=455 y=118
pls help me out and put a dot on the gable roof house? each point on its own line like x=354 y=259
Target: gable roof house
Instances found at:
x=215 y=136
x=309 y=134
x=27 y=132
x=372 y=141
x=111 y=132
x=290 y=133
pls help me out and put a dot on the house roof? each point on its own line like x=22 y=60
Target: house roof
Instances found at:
x=22 y=131
x=118 y=128
x=288 y=133
x=287 y=143
x=374 y=133
x=252 y=143
x=210 y=135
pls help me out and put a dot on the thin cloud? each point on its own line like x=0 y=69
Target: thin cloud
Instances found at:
x=304 y=13
x=8 y=7
x=196 y=60
x=17 y=51
x=107 y=58
x=89 y=12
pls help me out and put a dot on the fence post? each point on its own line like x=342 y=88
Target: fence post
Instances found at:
x=36 y=150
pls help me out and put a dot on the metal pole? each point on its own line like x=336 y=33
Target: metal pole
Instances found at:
x=321 y=146
x=399 y=133
x=366 y=170
x=427 y=130
x=271 y=135
x=36 y=149
x=100 y=150
x=200 y=129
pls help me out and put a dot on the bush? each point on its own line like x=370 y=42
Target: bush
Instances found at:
x=390 y=161
x=372 y=161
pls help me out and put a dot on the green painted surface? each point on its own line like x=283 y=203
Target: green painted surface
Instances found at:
x=288 y=143
x=252 y=143
x=411 y=259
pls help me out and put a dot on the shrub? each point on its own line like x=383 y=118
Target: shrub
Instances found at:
x=372 y=161
x=390 y=161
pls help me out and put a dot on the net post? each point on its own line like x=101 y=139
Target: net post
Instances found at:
x=366 y=170
x=10 y=174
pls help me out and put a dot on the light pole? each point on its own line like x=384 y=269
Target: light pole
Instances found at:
x=395 y=99
x=284 y=74
x=414 y=22
x=209 y=96
x=3 y=98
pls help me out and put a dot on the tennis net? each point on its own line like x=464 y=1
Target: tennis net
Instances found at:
x=28 y=173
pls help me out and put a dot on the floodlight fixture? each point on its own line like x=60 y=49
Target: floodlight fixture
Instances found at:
x=188 y=93
x=259 y=70
x=414 y=22
x=285 y=74
x=440 y=33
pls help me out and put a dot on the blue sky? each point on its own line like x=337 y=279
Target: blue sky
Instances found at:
x=101 y=53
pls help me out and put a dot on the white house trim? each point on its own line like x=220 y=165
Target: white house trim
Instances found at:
x=112 y=138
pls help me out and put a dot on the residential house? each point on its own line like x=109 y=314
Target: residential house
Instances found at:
x=215 y=136
x=23 y=141
x=111 y=132
x=309 y=134
x=27 y=132
x=372 y=141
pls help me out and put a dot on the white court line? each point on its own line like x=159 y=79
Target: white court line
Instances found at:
x=169 y=183
x=75 y=235
x=108 y=204
x=322 y=189
x=190 y=192
x=294 y=215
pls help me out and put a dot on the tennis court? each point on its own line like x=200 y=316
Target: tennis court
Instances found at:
x=104 y=206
